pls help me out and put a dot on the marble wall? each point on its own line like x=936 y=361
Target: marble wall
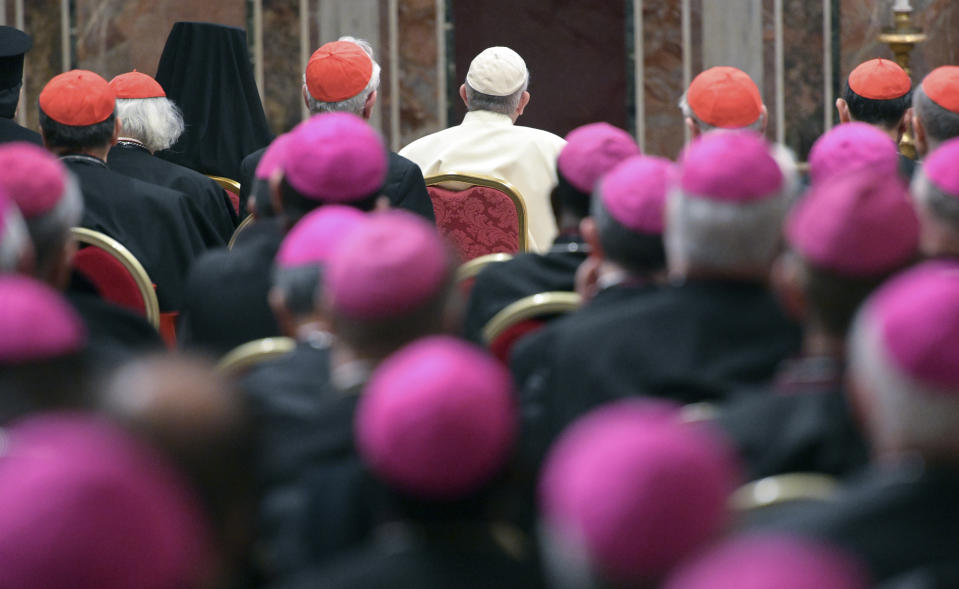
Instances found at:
x=112 y=36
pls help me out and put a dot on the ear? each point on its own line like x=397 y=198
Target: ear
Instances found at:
x=276 y=199
x=843 y=108
x=463 y=95
x=306 y=97
x=382 y=204
x=693 y=127
x=904 y=124
x=368 y=105
x=284 y=319
x=587 y=228
x=919 y=132
x=523 y=101
x=587 y=278
x=59 y=276
x=764 y=115
x=787 y=283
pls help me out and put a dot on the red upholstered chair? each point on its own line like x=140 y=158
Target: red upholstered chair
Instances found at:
x=232 y=188
x=116 y=273
x=242 y=358
x=524 y=317
x=479 y=215
x=466 y=273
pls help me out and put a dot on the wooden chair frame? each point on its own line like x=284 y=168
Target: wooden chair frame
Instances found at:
x=544 y=303
x=132 y=265
x=226 y=184
x=252 y=353
x=503 y=186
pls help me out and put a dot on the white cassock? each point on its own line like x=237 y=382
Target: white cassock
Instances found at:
x=490 y=144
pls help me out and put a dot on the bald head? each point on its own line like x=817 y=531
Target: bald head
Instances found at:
x=181 y=406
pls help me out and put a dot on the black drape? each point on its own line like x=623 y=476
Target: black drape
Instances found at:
x=205 y=69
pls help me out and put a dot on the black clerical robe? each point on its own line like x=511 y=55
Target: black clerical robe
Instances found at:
x=153 y=222
x=688 y=342
x=456 y=555
x=500 y=284
x=225 y=299
x=404 y=184
x=11 y=131
x=318 y=498
x=114 y=334
x=210 y=205
x=802 y=423
x=897 y=518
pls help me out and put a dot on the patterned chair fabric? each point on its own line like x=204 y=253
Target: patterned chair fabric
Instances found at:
x=478 y=220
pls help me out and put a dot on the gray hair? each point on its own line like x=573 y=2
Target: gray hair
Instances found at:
x=705 y=127
x=156 y=122
x=722 y=236
x=14 y=239
x=940 y=124
x=906 y=415
x=355 y=104
x=51 y=230
x=504 y=105
x=930 y=198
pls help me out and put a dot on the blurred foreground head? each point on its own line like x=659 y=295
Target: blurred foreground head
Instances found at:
x=182 y=407
x=628 y=491
x=86 y=506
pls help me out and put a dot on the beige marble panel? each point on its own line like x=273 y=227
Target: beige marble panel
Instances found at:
x=115 y=36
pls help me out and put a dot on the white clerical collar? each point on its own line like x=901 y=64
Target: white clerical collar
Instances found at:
x=486 y=117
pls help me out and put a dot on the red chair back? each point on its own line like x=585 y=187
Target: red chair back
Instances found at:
x=502 y=346
x=111 y=278
x=479 y=220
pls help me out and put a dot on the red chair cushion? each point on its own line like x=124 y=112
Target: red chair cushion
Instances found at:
x=168 y=328
x=110 y=277
x=234 y=200
x=477 y=221
x=503 y=344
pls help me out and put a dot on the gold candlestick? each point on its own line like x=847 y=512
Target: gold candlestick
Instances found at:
x=902 y=38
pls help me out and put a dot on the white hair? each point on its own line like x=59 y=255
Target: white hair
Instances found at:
x=930 y=198
x=14 y=239
x=705 y=127
x=705 y=234
x=50 y=230
x=356 y=103
x=156 y=122
x=904 y=414
x=504 y=105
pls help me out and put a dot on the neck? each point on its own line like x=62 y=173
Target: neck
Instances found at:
x=568 y=223
x=816 y=342
x=134 y=141
x=98 y=152
x=738 y=275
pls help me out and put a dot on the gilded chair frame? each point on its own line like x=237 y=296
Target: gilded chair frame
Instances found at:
x=784 y=488
x=226 y=184
x=473 y=267
x=453 y=180
x=129 y=261
x=247 y=355
x=246 y=222
x=537 y=305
